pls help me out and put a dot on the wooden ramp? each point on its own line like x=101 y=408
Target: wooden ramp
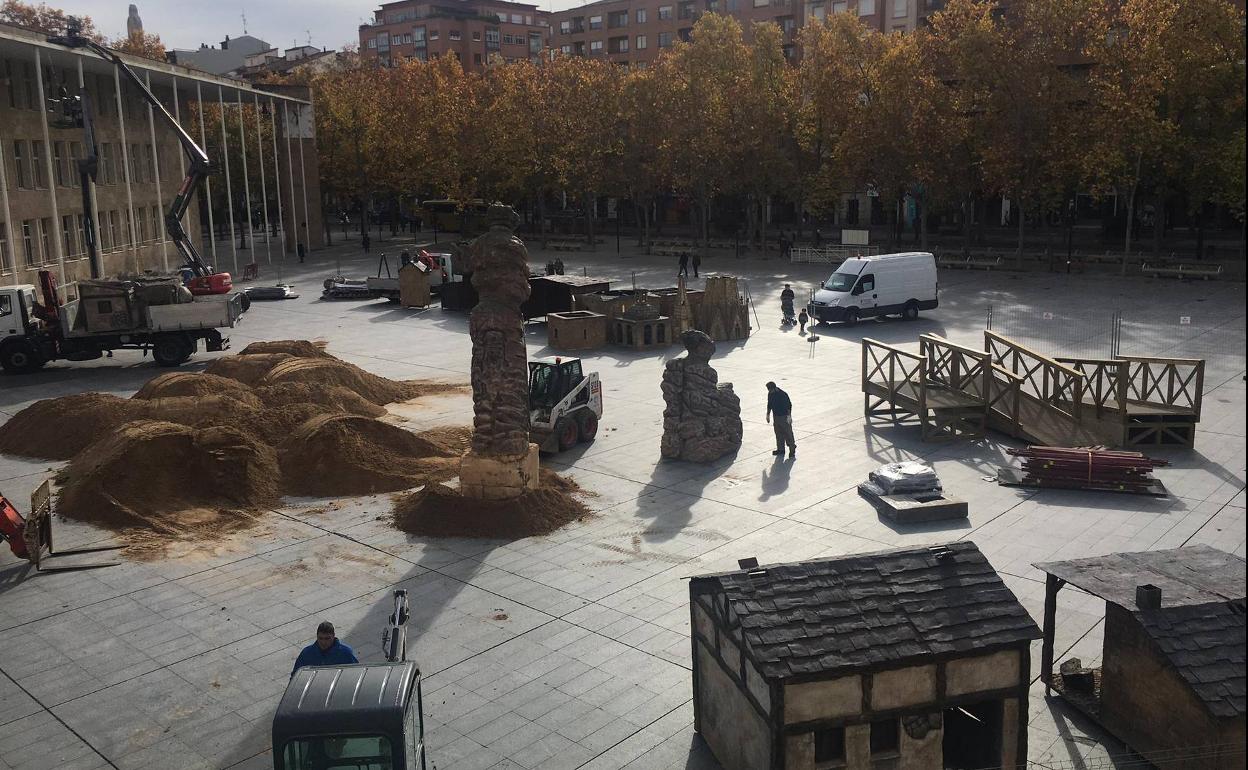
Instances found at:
x=953 y=391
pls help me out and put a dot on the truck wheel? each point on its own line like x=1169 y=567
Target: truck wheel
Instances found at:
x=851 y=316
x=910 y=312
x=20 y=357
x=567 y=432
x=588 y=426
x=171 y=349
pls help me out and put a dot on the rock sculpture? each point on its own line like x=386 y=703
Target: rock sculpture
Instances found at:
x=702 y=420
x=501 y=463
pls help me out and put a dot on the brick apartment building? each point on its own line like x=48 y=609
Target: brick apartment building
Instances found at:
x=478 y=32
x=141 y=165
x=635 y=32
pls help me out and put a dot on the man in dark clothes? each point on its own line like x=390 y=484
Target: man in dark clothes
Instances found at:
x=697 y=262
x=302 y=252
x=366 y=242
x=325 y=651
x=683 y=268
x=778 y=403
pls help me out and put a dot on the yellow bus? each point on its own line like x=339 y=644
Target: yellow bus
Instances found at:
x=449 y=216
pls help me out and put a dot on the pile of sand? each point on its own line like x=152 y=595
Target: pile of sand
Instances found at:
x=439 y=511
x=172 y=479
x=350 y=455
x=197 y=455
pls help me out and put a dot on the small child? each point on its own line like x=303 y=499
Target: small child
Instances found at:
x=802 y=320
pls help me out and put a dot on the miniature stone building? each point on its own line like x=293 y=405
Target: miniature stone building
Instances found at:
x=641 y=326
x=1172 y=686
x=576 y=330
x=611 y=304
x=723 y=312
x=702 y=416
x=670 y=299
x=913 y=658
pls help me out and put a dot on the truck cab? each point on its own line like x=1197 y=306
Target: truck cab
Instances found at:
x=16 y=309
x=358 y=717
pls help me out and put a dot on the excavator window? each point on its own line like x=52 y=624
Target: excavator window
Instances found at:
x=353 y=752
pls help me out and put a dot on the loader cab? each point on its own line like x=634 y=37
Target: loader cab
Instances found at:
x=550 y=381
x=17 y=304
x=358 y=717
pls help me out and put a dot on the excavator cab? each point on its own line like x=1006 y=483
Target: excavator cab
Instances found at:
x=551 y=381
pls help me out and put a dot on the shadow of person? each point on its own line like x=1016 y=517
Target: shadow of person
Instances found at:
x=776 y=478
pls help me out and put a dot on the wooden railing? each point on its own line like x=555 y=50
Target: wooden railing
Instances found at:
x=955 y=366
x=1165 y=382
x=892 y=371
x=1057 y=386
x=1105 y=384
x=1005 y=395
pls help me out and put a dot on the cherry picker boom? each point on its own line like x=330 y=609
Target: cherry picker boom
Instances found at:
x=206 y=280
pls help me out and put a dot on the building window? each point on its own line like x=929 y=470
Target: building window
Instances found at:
x=158 y=231
x=565 y=28
x=761 y=3
x=641 y=42
x=712 y=6
x=901 y=8
x=665 y=11
x=433 y=34
x=372 y=42
x=45 y=238
x=454 y=35
x=58 y=163
x=82 y=232
x=566 y=50
x=140 y=225
x=67 y=232
x=517 y=18
x=787 y=24
x=107 y=170
x=29 y=247
x=686 y=34
x=595 y=22
x=418 y=35
x=476 y=59
x=19 y=161
x=491 y=39
x=617 y=19
x=75 y=157
x=841 y=6
x=535 y=42
x=619 y=45
x=641 y=15
x=639 y=65
x=665 y=40
x=686 y=10
x=36 y=164
x=866 y=7
x=884 y=737
x=476 y=36
x=830 y=745
x=595 y=46
x=6 y=257
x=114 y=230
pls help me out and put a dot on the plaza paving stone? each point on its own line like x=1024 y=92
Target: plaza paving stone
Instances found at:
x=572 y=650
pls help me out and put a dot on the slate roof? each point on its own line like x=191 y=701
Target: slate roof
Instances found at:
x=1205 y=645
x=879 y=610
x=1196 y=574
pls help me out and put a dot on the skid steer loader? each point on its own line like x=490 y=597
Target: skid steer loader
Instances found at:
x=564 y=404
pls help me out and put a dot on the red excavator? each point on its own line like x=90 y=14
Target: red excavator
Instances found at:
x=31 y=539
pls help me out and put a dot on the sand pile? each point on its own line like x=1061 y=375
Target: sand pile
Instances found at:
x=351 y=455
x=59 y=428
x=190 y=451
x=172 y=479
x=439 y=511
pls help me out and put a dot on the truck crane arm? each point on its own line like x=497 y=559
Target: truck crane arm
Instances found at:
x=199 y=165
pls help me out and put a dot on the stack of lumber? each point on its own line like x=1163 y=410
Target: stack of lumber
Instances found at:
x=1084 y=468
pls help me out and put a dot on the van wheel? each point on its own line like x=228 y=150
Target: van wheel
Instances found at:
x=851 y=316
x=171 y=349
x=20 y=357
x=911 y=311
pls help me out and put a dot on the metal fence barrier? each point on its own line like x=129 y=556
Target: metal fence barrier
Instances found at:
x=829 y=255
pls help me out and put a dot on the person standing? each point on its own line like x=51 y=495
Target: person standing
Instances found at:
x=366 y=242
x=802 y=320
x=697 y=262
x=301 y=251
x=325 y=651
x=683 y=265
x=778 y=403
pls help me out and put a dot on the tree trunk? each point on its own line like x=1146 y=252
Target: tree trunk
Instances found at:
x=968 y=215
x=1126 y=243
x=1159 y=220
x=591 y=206
x=541 y=219
x=922 y=203
x=1021 y=214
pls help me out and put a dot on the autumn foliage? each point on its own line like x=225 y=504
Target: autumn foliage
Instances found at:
x=1051 y=97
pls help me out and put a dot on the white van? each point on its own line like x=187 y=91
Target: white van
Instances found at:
x=886 y=284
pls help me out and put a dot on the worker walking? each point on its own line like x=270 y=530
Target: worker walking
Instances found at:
x=366 y=242
x=786 y=304
x=302 y=251
x=683 y=265
x=697 y=262
x=325 y=651
x=778 y=403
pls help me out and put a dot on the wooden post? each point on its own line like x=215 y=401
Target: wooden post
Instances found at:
x=1052 y=585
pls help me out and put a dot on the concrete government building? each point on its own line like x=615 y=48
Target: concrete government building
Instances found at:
x=142 y=165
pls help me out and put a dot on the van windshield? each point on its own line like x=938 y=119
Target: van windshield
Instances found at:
x=840 y=282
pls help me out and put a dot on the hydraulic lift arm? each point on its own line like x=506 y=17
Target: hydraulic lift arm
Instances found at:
x=198 y=167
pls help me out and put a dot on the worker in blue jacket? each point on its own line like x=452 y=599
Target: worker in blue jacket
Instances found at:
x=325 y=651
